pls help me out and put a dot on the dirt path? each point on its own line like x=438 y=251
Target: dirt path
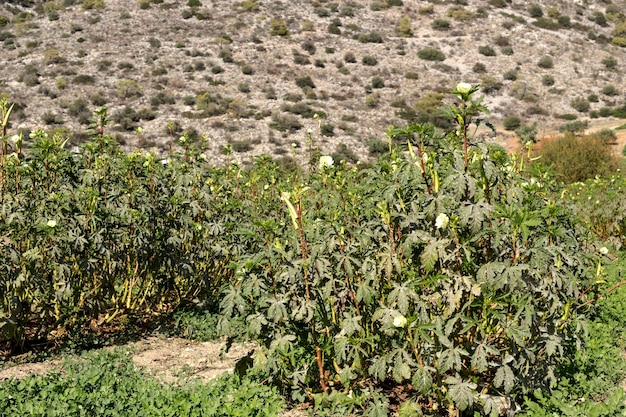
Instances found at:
x=166 y=358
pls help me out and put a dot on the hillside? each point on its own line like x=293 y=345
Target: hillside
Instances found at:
x=252 y=74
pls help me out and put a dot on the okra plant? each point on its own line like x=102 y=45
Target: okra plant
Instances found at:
x=436 y=269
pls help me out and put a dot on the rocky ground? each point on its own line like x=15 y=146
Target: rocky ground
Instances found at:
x=248 y=76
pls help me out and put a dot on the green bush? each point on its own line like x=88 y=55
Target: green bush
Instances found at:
x=580 y=104
x=431 y=54
x=440 y=24
x=486 y=50
x=404 y=27
x=545 y=62
x=547 y=80
x=610 y=90
x=609 y=63
x=577 y=158
x=547 y=23
x=412 y=303
x=278 y=27
x=535 y=11
x=369 y=60
x=512 y=122
x=372 y=37
x=305 y=82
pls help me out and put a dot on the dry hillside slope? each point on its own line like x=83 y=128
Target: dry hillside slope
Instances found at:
x=252 y=74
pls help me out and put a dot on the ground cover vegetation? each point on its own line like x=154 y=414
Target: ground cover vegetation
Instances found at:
x=446 y=277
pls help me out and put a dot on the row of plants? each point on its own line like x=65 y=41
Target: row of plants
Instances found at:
x=439 y=279
x=89 y=235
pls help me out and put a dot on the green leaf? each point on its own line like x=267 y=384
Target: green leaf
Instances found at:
x=461 y=392
x=422 y=381
x=451 y=359
x=432 y=253
x=504 y=378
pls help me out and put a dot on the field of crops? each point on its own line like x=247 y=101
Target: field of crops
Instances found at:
x=445 y=278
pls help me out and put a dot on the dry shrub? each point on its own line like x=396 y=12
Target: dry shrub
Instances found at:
x=577 y=158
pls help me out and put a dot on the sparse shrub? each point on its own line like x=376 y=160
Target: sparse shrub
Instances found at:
x=241 y=145
x=428 y=110
x=343 y=153
x=404 y=27
x=510 y=75
x=545 y=62
x=321 y=11
x=249 y=6
x=369 y=61
x=300 y=108
x=372 y=37
x=599 y=18
x=162 y=98
x=305 y=82
x=349 y=57
x=326 y=129
x=29 y=76
x=285 y=123
x=426 y=10
x=564 y=21
x=490 y=85
x=372 y=100
x=553 y=12
x=247 y=69
x=547 y=80
x=605 y=111
x=578 y=158
x=92 y=4
x=580 y=104
x=486 y=50
x=61 y=83
x=461 y=14
x=125 y=65
x=278 y=27
x=609 y=63
x=378 y=82
x=307 y=26
x=410 y=75
x=535 y=10
x=440 y=24
x=128 y=89
x=479 y=68
x=610 y=90
x=546 y=23
x=226 y=55
x=98 y=99
x=512 y=122
x=300 y=59
x=83 y=79
x=377 y=147
x=52 y=56
x=309 y=47
x=333 y=29
x=431 y=54
x=194 y=3
x=507 y=50
x=50 y=118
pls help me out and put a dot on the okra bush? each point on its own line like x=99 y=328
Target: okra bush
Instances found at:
x=440 y=270
x=440 y=276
